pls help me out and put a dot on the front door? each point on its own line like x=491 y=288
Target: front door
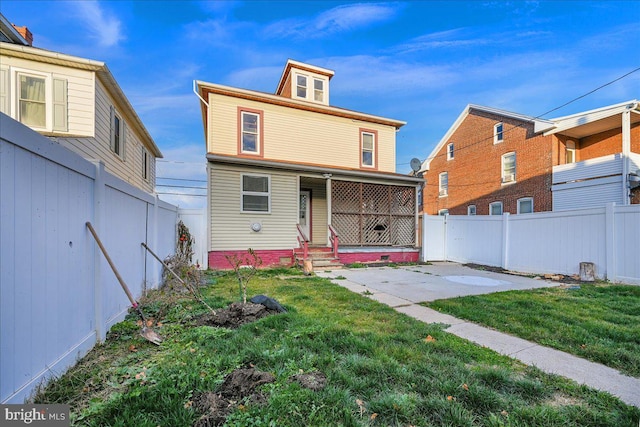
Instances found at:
x=304 y=215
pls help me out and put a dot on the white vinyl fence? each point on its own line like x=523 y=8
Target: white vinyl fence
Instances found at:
x=58 y=296
x=196 y=221
x=546 y=242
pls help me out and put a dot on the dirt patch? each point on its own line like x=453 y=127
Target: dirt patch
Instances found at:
x=313 y=380
x=240 y=385
x=235 y=315
x=561 y=278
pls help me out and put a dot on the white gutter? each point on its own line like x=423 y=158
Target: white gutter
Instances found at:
x=335 y=172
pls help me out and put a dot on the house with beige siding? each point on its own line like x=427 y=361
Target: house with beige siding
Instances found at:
x=292 y=176
x=77 y=103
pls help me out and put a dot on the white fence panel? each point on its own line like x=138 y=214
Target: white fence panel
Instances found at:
x=196 y=221
x=626 y=262
x=474 y=239
x=547 y=242
x=556 y=242
x=433 y=238
x=57 y=293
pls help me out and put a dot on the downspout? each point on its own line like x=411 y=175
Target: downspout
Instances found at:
x=626 y=152
x=198 y=95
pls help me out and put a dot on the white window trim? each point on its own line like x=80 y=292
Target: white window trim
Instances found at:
x=496 y=133
x=443 y=212
x=122 y=134
x=372 y=150
x=570 y=148
x=469 y=210
x=450 y=151
x=496 y=204
x=443 y=192
x=255 y=193
x=525 y=199
x=242 y=132
x=14 y=79
x=296 y=85
x=310 y=87
x=508 y=178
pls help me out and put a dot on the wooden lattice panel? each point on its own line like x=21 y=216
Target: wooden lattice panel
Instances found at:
x=366 y=214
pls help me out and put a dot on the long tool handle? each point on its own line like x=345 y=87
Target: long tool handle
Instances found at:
x=165 y=265
x=113 y=266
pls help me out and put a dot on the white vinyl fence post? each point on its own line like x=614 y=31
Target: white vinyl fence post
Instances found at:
x=424 y=237
x=505 y=240
x=610 y=242
x=99 y=191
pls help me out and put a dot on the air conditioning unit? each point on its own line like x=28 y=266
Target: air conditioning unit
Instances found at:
x=443 y=192
x=509 y=178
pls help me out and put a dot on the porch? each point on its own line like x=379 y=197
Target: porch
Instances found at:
x=344 y=222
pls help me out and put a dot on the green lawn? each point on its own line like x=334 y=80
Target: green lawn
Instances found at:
x=383 y=369
x=599 y=322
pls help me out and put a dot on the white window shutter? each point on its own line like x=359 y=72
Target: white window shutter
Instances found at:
x=4 y=91
x=60 y=121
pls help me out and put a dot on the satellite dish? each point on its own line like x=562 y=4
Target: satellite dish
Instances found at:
x=415 y=164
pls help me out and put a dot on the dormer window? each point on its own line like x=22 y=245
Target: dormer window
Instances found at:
x=301 y=86
x=318 y=90
x=309 y=87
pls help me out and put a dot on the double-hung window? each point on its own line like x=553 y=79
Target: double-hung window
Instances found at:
x=368 y=148
x=38 y=100
x=570 y=152
x=255 y=193
x=318 y=90
x=301 y=86
x=498 y=133
x=495 y=208
x=443 y=184
x=118 y=132
x=508 y=168
x=250 y=131
x=32 y=100
x=525 y=205
x=450 y=151
x=471 y=210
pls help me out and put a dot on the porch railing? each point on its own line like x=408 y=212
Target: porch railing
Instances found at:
x=303 y=241
x=333 y=237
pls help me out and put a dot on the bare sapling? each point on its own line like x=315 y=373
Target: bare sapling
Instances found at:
x=244 y=266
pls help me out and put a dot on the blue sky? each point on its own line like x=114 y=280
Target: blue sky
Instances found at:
x=420 y=62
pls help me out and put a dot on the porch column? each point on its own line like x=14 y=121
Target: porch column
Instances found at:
x=327 y=177
x=626 y=151
x=416 y=214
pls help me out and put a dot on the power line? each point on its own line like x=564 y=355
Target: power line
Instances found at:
x=184 y=194
x=543 y=114
x=181 y=179
x=181 y=186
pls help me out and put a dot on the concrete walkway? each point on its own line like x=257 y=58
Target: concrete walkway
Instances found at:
x=402 y=288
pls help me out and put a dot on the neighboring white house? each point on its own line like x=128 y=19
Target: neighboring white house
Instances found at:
x=77 y=103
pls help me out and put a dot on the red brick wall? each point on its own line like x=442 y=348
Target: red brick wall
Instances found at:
x=475 y=171
x=404 y=256
x=608 y=142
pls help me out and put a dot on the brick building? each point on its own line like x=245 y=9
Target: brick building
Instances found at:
x=493 y=161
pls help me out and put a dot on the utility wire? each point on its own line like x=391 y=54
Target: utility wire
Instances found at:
x=184 y=194
x=540 y=116
x=181 y=186
x=181 y=179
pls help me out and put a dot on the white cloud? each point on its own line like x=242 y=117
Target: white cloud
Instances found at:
x=340 y=19
x=101 y=25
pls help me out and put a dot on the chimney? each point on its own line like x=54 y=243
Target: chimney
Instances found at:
x=25 y=33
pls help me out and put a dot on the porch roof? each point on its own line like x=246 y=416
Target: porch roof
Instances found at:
x=594 y=121
x=395 y=178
